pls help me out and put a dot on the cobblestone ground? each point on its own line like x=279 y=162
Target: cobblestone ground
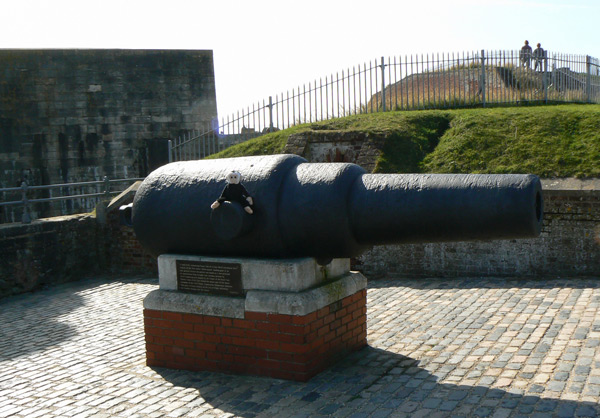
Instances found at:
x=486 y=347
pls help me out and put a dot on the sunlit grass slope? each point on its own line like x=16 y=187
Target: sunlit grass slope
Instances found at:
x=550 y=141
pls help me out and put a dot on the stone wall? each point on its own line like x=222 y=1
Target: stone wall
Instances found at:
x=336 y=147
x=49 y=251
x=66 y=248
x=569 y=244
x=78 y=115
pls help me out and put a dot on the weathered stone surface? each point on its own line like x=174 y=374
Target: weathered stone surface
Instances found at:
x=54 y=250
x=302 y=287
x=335 y=146
x=289 y=275
x=78 y=115
x=224 y=306
x=303 y=303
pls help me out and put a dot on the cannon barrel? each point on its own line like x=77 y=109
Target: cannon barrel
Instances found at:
x=325 y=210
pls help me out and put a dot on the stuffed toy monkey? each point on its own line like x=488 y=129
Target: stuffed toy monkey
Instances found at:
x=234 y=191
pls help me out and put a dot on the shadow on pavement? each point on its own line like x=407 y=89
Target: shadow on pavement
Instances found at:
x=369 y=382
x=29 y=321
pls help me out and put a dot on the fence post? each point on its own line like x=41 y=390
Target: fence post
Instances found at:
x=482 y=78
x=270 y=113
x=26 y=218
x=170 y=150
x=383 y=82
x=545 y=82
x=106 y=186
x=588 y=79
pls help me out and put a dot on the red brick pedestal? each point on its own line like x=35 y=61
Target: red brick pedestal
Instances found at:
x=321 y=325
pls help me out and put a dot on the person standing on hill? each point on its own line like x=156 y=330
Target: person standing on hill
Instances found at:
x=538 y=55
x=525 y=55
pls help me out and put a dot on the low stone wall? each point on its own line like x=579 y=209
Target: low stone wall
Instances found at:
x=48 y=251
x=61 y=249
x=569 y=244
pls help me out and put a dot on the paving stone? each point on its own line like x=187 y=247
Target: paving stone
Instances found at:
x=78 y=350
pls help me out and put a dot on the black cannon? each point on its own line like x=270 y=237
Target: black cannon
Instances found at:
x=325 y=210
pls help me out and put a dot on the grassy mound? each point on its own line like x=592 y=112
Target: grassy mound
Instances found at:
x=550 y=141
x=554 y=141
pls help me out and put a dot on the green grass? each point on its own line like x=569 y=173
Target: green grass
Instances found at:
x=268 y=144
x=550 y=141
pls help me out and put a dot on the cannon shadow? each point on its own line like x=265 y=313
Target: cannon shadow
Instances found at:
x=369 y=382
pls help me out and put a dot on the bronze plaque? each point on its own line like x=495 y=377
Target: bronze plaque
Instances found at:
x=209 y=277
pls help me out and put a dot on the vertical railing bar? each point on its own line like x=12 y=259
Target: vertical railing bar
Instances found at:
x=337 y=92
x=375 y=67
x=299 y=106
x=482 y=82
x=412 y=79
x=390 y=81
x=359 y=92
x=293 y=107
x=332 y=98
x=354 y=87
x=441 y=81
x=326 y=100
x=316 y=100
x=428 y=73
x=383 y=83
x=371 y=85
x=270 y=113
x=287 y=105
x=343 y=96
x=402 y=82
x=365 y=87
x=350 y=90
x=321 y=96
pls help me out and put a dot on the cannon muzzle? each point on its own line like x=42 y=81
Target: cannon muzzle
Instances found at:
x=326 y=210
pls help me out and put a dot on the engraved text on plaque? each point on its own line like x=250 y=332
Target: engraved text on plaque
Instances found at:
x=209 y=277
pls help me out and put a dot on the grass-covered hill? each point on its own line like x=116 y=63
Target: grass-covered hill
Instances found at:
x=550 y=141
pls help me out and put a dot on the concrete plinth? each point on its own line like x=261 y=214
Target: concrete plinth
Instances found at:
x=293 y=319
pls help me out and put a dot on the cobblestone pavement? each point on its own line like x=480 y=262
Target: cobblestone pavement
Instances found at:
x=485 y=347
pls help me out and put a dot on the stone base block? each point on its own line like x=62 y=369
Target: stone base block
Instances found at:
x=287 y=335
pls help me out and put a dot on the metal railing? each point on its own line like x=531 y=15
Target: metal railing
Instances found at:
x=431 y=81
x=69 y=192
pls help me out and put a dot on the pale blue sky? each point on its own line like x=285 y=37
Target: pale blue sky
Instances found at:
x=264 y=47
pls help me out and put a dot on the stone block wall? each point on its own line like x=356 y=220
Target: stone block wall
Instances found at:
x=569 y=245
x=79 y=115
x=66 y=248
x=336 y=147
x=49 y=251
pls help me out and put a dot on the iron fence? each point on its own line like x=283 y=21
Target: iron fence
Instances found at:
x=430 y=81
x=73 y=198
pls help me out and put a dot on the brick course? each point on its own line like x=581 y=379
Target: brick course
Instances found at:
x=275 y=345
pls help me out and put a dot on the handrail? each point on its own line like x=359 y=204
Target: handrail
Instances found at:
x=25 y=188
